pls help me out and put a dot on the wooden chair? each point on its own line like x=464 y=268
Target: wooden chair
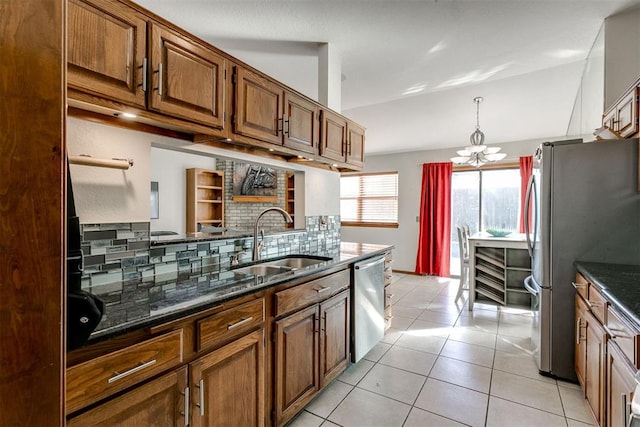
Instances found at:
x=463 y=243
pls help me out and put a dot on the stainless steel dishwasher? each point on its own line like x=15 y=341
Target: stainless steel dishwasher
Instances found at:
x=367 y=327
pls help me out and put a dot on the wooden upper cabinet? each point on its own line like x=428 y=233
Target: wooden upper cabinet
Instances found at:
x=301 y=124
x=622 y=117
x=258 y=107
x=355 y=145
x=188 y=79
x=333 y=145
x=106 y=48
x=627 y=114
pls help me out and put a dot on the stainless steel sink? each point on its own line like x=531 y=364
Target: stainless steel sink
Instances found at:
x=297 y=262
x=283 y=265
x=262 y=269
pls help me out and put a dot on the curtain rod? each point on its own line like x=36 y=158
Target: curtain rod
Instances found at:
x=86 y=160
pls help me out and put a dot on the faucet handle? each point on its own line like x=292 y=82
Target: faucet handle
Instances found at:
x=235 y=258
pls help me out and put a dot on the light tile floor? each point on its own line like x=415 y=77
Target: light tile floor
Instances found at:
x=442 y=365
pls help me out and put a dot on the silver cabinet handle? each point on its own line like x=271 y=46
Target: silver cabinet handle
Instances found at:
x=160 y=79
x=286 y=121
x=579 y=285
x=118 y=376
x=615 y=333
x=144 y=75
x=241 y=322
x=186 y=406
x=578 y=331
x=200 y=386
x=323 y=289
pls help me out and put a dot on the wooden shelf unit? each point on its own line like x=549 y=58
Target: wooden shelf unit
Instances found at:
x=498 y=270
x=290 y=197
x=205 y=199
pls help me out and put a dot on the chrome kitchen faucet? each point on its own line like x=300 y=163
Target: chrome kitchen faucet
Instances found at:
x=256 y=249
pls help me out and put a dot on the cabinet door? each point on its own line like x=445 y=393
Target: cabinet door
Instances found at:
x=620 y=386
x=595 y=366
x=188 y=78
x=627 y=114
x=296 y=364
x=227 y=385
x=106 y=46
x=258 y=107
x=334 y=337
x=580 y=347
x=301 y=124
x=158 y=403
x=333 y=143
x=355 y=145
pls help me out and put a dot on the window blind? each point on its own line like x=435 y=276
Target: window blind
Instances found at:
x=369 y=199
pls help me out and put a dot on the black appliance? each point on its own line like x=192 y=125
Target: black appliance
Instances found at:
x=84 y=310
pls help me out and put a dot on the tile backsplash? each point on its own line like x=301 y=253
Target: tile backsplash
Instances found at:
x=120 y=252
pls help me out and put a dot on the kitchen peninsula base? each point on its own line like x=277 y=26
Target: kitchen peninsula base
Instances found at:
x=497 y=269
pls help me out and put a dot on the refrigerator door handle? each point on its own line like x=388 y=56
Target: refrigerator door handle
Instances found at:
x=529 y=287
x=531 y=186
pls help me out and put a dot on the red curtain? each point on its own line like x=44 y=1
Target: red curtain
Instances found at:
x=526 y=169
x=434 y=241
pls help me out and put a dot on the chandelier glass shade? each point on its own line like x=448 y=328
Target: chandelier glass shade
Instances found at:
x=477 y=154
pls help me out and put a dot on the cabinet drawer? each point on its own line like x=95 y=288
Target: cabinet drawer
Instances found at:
x=234 y=321
x=597 y=304
x=311 y=292
x=96 y=379
x=625 y=336
x=582 y=286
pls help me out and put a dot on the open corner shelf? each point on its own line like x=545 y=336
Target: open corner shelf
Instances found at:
x=205 y=199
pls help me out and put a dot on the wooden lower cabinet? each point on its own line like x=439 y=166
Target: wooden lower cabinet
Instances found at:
x=227 y=385
x=606 y=356
x=580 y=344
x=158 y=403
x=216 y=368
x=620 y=386
x=311 y=349
x=334 y=337
x=595 y=366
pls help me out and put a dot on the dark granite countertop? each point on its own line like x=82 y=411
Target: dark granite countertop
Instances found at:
x=619 y=283
x=146 y=302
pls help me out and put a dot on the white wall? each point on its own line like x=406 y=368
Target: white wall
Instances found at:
x=409 y=167
x=111 y=195
x=589 y=103
x=622 y=53
x=168 y=169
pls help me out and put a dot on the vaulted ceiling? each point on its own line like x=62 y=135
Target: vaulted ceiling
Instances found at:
x=411 y=68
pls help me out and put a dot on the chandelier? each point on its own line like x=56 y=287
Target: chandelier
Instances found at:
x=477 y=154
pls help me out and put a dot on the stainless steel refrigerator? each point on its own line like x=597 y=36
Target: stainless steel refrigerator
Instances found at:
x=586 y=207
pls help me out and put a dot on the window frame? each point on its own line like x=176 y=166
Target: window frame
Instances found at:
x=372 y=224
x=492 y=166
